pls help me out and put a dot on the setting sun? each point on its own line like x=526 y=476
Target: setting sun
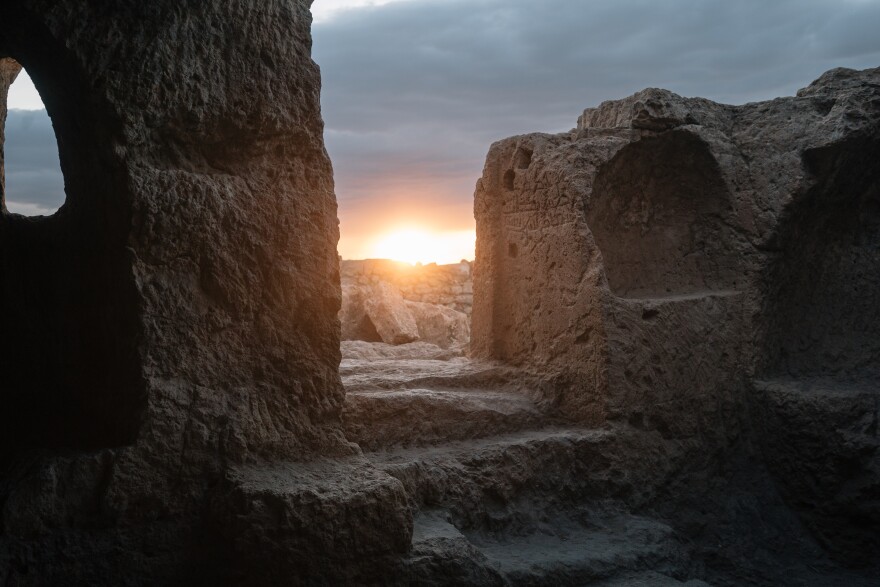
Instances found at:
x=414 y=245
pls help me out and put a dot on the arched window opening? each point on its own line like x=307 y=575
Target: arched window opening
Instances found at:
x=33 y=184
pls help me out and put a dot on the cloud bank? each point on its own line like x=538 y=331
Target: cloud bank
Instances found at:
x=415 y=92
x=34 y=183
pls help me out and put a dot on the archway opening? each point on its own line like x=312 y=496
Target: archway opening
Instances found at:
x=33 y=184
x=660 y=213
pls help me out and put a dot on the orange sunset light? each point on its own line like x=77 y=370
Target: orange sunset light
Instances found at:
x=417 y=245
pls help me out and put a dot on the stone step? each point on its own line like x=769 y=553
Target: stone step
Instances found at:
x=481 y=482
x=342 y=519
x=820 y=440
x=367 y=374
x=442 y=556
x=418 y=417
x=376 y=374
x=561 y=552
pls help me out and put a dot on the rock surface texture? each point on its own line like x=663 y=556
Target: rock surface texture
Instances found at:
x=445 y=327
x=389 y=314
x=646 y=404
x=708 y=274
x=173 y=327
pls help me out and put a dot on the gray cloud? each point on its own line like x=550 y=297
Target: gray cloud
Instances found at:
x=420 y=89
x=414 y=92
x=34 y=182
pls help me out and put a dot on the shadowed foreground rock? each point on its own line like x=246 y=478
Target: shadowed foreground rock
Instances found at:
x=172 y=329
x=647 y=404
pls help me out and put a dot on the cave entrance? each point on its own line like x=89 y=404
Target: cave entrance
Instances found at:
x=29 y=167
x=660 y=213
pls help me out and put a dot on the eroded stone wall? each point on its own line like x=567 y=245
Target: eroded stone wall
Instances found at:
x=682 y=266
x=177 y=316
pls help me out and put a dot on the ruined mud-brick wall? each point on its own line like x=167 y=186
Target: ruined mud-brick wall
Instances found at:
x=445 y=285
x=176 y=318
x=704 y=272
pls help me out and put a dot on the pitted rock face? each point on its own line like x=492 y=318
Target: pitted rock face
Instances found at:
x=200 y=222
x=171 y=397
x=657 y=196
x=178 y=314
x=672 y=259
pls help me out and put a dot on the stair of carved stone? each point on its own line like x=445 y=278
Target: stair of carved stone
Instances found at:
x=822 y=444
x=382 y=419
x=503 y=493
x=394 y=402
x=406 y=373
x=562 y=551
x=483 y=481
x=647 y=579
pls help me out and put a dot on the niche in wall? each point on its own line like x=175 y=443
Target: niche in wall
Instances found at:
x=659 y=212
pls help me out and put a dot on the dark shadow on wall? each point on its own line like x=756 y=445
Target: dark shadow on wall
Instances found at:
x=823 y=315
x=820 y=352
x=69 y=344
x=660 y=213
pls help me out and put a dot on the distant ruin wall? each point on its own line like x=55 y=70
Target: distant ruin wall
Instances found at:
x=446 y=285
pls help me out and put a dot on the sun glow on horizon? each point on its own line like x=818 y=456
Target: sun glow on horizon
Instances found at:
x=417 y=245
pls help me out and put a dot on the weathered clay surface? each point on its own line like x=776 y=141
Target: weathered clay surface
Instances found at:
x=668 y=252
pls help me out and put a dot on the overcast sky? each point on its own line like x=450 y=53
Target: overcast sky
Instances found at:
x=415 y=91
